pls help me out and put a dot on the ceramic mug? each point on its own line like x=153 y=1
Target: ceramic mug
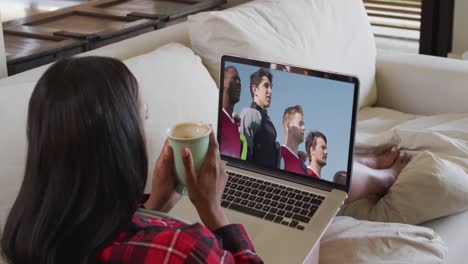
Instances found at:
x=194 y=136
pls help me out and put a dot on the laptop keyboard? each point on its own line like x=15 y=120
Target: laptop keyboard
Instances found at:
x=270 y=201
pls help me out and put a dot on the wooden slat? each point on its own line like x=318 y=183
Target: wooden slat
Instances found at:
x=415 y=4
x=395 y=17
x=162 y=10
x=40 y=16
x=391 y=2
x=392 y=10
x=394 y=26
x=201 y=6
x=110 y=14
x=33 y=32
x=24 y=46
x=145 y=6
x=43 y=38
x=398 y=11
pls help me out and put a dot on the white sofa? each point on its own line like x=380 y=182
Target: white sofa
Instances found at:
x=414 y=84
x=3 y=66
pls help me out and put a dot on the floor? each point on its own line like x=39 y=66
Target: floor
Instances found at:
x=21 y=8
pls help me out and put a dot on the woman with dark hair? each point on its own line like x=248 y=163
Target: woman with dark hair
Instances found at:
x=86 y=171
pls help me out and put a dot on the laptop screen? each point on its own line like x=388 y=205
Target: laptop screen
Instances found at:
x=287 y=119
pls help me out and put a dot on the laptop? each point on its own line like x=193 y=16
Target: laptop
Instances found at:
x=286 y=134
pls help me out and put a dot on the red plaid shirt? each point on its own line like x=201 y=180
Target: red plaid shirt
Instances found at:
x=164 y=240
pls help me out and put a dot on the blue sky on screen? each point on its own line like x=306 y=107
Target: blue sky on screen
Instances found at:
x=327 y=107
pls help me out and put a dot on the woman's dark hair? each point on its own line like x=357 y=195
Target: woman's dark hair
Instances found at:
x=86 y=165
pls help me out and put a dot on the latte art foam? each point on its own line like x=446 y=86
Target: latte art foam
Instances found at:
x=189 y=131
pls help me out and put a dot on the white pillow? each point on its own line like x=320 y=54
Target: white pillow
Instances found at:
x=14 y=102
x=429 y=187
x=435 y=183
x=177 y=88
x=348 y=240
x=331 y=35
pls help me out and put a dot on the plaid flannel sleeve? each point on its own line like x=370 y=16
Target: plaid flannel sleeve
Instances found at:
x=234 y=239
x=229 y=245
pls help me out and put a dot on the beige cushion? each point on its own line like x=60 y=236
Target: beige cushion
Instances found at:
x=14 y=102
x=330 y=35
x=3 y=66
x=453 y=230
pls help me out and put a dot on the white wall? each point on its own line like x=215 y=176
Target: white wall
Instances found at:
x=460 y=27
x=3 y=67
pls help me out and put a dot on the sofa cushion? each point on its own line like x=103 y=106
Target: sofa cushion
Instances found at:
x=332 y=35
x=453 y=230
x=3 y=65
x=14 y=102
x=177 y=88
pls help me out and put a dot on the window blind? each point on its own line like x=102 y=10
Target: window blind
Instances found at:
x=395 y=18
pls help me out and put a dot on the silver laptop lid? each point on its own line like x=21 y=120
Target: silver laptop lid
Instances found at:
x=288 y=122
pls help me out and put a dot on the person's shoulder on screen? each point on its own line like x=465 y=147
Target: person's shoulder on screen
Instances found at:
x=250 y=116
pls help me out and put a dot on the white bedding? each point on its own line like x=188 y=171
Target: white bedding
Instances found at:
x=433 y=185
x=352 y=241
x=444 y=134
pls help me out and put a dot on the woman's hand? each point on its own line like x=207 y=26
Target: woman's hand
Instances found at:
x=163 y=196
x=206 y=187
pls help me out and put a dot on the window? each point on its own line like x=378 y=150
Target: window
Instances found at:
x=424 y=26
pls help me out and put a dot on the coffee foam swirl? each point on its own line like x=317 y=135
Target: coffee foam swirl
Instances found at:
x=185 y=131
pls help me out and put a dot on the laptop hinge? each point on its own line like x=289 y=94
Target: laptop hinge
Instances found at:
x=282 y=176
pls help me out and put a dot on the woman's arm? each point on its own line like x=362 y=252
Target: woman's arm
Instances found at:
x=231 y=245
x=235 y=240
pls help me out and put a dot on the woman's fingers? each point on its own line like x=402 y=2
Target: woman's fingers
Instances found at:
x=190 y=174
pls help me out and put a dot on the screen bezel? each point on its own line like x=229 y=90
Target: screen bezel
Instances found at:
x=283 y=174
